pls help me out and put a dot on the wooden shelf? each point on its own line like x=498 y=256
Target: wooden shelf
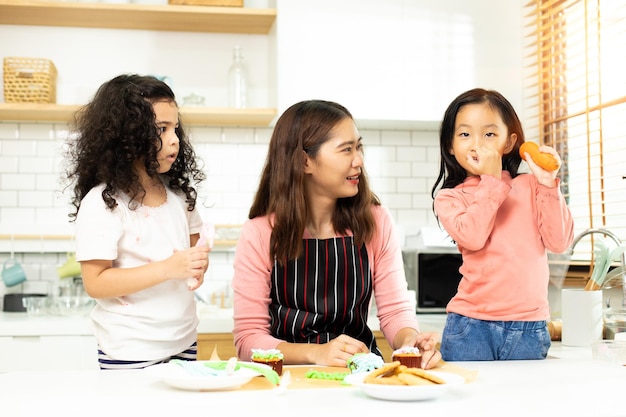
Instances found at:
x=32 y=112
x=138 y=16
x=181 y=18
x=226 y=116
x=218 y=244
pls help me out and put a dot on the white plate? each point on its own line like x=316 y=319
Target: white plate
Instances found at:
x=405 y=392
x=177 y=377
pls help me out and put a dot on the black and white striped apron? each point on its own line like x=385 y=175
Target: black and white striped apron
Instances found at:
x=324 y=293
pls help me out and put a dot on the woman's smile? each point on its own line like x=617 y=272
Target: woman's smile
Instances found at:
x=354 y=179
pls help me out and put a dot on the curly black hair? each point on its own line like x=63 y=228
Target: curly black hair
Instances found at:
x=115 y=129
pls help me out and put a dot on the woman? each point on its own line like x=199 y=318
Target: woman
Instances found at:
x=317 y=246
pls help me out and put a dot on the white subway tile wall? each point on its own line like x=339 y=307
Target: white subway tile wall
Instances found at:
x=401 y=164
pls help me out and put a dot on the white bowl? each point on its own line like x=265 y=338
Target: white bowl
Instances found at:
x=406 y=392
x=72 y=305
x=36 y=305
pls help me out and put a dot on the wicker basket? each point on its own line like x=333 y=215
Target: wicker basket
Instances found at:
x=29 y=80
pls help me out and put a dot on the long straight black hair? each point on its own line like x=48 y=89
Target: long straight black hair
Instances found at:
x=451 y=173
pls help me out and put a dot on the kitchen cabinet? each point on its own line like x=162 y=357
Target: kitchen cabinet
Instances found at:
x=223 y=342
x=48 y=352
x=79 y=352
x=226 y=346
x=46 y=342
x=56 y=342
x=180 y=18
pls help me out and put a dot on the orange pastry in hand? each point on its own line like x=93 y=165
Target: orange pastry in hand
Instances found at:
x=543 y=159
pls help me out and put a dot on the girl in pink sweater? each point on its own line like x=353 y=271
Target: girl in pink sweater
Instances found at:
x=317 y=246
x=503 y=222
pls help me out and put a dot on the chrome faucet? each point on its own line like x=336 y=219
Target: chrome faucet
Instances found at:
x=617 y=241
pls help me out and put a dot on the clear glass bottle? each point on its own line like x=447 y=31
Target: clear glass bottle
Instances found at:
x=238 y=81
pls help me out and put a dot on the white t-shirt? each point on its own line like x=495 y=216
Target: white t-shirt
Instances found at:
x=156 y=322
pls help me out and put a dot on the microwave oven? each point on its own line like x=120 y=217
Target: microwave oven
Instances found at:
x=433 y=273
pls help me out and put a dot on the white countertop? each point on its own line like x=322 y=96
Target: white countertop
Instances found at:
x=212 y=320
x=567 y=383
x=22 y=324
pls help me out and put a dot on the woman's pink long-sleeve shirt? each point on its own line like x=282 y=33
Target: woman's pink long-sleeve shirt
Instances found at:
x=251 y=283
x=503 y=229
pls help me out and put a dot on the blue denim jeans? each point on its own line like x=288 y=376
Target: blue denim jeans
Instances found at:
x=467 y=339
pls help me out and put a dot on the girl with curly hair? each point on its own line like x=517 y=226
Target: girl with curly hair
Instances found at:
x=133 y=172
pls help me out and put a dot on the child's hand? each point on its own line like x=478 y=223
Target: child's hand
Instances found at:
x=546 y=160
x=545 y=177
x=207 y=236
x=189 y=264
x=485 y=161
x=427 y=344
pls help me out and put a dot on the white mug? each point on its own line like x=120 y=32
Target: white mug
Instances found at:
x=581 y=312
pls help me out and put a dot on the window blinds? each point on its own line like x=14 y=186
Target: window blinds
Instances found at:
x=575 y=84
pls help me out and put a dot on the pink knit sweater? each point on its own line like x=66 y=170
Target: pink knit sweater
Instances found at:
x=251 y=283
x=504 y=228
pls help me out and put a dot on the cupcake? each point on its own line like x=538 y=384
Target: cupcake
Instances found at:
x=364 y=362
x=271 y=357
x=407 y=356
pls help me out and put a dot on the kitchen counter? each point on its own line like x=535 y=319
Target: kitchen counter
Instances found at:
x=22 y=324
x=568 y=383
x=212 y=320
x=63 y=343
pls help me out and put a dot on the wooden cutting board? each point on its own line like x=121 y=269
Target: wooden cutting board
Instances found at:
x=299 y=379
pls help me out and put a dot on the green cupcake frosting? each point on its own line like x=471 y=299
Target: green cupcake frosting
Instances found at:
x=267 y=354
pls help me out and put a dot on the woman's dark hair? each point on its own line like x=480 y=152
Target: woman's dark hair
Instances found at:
x=451 y=173
x=117 y=128
x=305 y=127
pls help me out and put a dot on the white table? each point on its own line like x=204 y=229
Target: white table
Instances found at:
x=568 y=383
